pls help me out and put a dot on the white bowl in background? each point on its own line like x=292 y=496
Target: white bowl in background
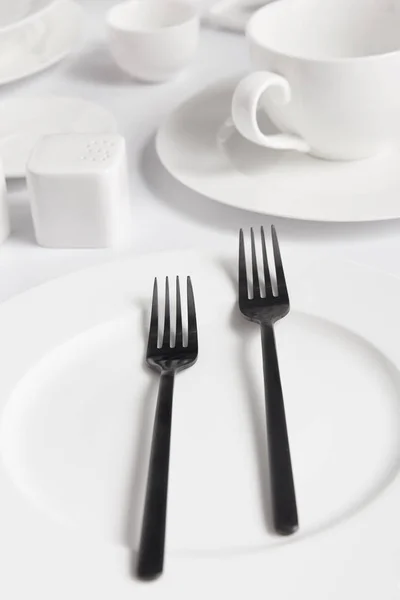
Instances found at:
x=153 y=40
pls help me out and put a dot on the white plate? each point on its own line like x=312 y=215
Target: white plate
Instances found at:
x=40 y=43
x=200 y=148
x=16 y=12
x=24 y=120
x=76 y=411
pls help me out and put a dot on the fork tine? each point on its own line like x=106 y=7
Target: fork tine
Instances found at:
x=243 y=288
x=256 y=282
x=153 y=331
x=267 y=275
x=167 y=319
x=192 y=323
x=280 y=275
x=179 y=335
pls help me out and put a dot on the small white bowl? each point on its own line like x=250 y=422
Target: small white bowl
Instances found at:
x=153 y=40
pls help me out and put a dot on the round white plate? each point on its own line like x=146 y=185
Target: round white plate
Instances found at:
x=16 y=12
x=41 y=42
x=76 y=412
x=24 y=120
x=199 y=146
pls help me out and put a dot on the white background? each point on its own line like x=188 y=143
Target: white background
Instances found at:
x=166 y=214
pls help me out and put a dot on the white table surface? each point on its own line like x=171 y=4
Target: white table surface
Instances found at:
x=166 y=215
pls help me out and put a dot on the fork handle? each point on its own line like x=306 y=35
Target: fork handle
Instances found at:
x=151 y=549
x=281 y=474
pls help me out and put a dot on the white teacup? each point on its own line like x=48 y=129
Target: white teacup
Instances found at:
x=327 y=72
x=153 y=40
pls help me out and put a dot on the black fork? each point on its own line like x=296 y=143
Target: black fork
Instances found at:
x=265 y=310
x=167 y=360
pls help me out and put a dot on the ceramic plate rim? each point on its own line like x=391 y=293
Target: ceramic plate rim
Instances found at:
x=28 y=17
x=57 y=57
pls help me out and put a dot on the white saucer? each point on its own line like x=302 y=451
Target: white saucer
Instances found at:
x=15 y=12
x=41 y=42
x=76 y=412
x=24 y=120
x=201 y=149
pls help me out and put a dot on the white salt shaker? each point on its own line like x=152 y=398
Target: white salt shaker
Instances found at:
x=79 y=191
x=4 y=219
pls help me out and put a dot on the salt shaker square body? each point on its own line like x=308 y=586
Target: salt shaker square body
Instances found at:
x=79 y=191
x=4 y=218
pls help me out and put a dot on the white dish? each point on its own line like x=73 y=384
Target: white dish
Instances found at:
x=76 y=410
x=39 y=44
x=199 y=146
x=23 y=121
x=16 y=12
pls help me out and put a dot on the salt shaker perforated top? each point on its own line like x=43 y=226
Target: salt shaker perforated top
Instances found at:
x=79 y=191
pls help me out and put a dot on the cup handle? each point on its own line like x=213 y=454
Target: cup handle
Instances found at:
x=245 y=102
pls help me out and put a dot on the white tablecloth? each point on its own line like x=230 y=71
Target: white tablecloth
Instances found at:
x=166 y=214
